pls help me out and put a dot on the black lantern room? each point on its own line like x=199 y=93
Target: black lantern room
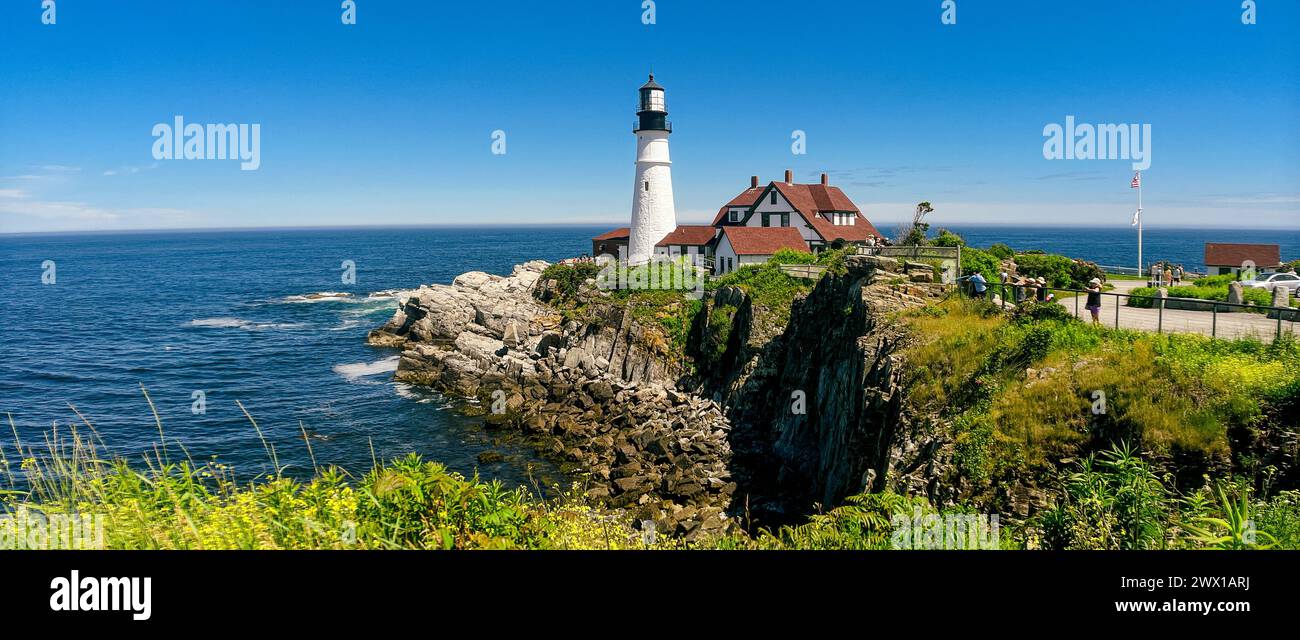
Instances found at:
x=652 y=110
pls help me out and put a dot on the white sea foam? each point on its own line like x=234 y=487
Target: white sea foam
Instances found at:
x=224 y=322
x=361 y=369
x=320 y=296
x=347 y=324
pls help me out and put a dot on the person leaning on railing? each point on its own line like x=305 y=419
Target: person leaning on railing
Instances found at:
x=1043 y=295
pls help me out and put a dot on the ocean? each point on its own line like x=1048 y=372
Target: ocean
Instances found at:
x=237 y=315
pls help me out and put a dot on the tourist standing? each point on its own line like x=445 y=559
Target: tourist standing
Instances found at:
x=1154 y=280
x=979 y=284
x=1094 y=300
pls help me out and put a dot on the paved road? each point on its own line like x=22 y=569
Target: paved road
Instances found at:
x=1227 y=325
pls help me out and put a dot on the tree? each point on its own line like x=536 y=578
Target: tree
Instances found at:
x=915 y=235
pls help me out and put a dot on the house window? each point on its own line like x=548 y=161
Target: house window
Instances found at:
x=774 y=197
x=785 y=219
x=734 y=216
x=767 y=220
x=647 y=185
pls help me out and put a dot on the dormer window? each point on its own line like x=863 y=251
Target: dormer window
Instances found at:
x=734 y=216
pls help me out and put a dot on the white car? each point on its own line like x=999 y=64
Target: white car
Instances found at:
x=1271 y=281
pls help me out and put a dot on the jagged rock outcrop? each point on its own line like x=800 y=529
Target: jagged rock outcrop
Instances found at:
x=775 y=417
x=817 y=410
x=599 y=393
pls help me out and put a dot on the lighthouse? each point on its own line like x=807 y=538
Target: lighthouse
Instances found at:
x=653 y=213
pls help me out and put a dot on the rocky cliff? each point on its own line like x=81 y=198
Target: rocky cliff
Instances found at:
x=757 y=420
x=816 y=408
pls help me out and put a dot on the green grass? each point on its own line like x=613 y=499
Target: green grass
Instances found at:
x=168 y=501
x=768 y=287
x=1021 y=391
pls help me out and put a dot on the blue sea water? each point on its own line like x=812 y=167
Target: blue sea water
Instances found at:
x=222 y=312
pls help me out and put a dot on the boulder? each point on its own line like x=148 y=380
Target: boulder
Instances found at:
x=1236 y=294
x=1281 y=297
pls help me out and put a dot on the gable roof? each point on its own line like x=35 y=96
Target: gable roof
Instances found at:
x=688 y=234
x=746 y=199
x=621 y=232
x=763 y=241
x=811 y=200
x=1228 y=254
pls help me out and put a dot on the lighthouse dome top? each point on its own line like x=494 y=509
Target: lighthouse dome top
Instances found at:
x=651 y=84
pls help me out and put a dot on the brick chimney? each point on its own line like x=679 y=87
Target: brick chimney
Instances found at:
x=789 y=176
x=753 y=182
x=825 y=179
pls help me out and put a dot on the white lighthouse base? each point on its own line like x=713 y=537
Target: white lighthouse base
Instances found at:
x=653 y=213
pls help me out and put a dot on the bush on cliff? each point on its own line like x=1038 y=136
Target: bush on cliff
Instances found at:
x=979 y=261
x=1058 y=270
x=1001 y=251
x=768 y=287
x=947 y=238
x=793 y=256
x=568 y=277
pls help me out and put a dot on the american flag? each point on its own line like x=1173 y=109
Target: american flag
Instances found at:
x=1137 y=180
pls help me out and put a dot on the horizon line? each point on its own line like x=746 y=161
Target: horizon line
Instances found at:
x=345 y=227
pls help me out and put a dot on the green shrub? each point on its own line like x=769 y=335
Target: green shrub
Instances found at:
x=568 y=277
x=1035 y=311
x=767 y=285
x=1215 y=281
x=979 y=261
x=947 y=238
x=1057 y=270
x=1001 y=251
x=1250 y=295
x=793 y=256
x=836 y=260
x=1114 y=501
x=718 y=332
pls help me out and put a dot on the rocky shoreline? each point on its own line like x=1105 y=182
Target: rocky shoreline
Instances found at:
x=589 y=394
x=656 y=433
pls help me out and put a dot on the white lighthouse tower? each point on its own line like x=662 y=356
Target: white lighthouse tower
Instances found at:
x=653 y=213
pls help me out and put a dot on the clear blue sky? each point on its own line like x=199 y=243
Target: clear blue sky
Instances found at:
x=389 y=121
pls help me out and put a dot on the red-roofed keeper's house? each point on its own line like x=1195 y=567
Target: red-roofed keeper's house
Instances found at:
x=761 y=220
x=820 y=213
x=738 y=246
x=688 y=238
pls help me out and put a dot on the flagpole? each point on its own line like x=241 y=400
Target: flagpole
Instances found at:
x=1139 y=217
